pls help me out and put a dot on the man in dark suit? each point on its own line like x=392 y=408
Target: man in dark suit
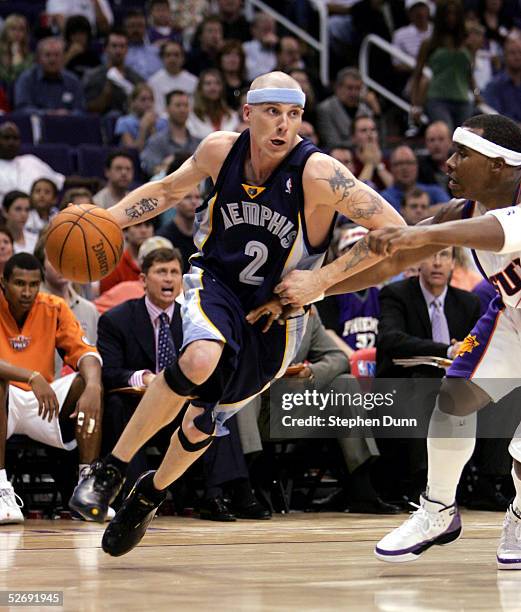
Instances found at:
x=419 y=316
x=423 y=316
x=129 y=340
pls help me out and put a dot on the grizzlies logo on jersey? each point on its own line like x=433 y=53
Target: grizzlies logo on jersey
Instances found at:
x=249 y=236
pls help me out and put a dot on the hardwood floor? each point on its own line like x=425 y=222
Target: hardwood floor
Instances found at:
x=293 y=562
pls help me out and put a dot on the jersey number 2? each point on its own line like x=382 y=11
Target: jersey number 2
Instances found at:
x=259 y=252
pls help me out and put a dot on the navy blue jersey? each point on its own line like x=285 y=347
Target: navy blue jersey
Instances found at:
x=359 y=314
x=250 y=236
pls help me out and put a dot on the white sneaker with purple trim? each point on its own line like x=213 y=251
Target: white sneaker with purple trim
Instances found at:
x=509 y=549
x=431 y=524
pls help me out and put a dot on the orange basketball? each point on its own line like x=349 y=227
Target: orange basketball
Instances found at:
x=84 y=243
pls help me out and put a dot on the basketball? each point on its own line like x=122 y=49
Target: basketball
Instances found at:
x=84 y=243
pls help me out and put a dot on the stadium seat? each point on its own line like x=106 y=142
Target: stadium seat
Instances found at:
x=91 y=160
x=59 y=157
x=72 y=130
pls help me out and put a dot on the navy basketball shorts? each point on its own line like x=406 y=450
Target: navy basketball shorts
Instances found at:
x=250 y=359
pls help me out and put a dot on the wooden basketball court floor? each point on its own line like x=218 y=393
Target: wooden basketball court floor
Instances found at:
x=293 y=562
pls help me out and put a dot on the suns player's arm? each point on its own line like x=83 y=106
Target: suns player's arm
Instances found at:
x=498 y=231
x=155 y=197
x=394 y=264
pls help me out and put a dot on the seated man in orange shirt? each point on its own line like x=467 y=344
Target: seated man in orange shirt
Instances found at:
x=62 y=413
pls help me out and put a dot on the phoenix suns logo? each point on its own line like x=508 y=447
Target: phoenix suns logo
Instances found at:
x=19 y=343
x=468 y=345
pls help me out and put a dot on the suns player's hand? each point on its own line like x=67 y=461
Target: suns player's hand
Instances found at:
x=388 y=240
x=48 y=406
x=299 y=288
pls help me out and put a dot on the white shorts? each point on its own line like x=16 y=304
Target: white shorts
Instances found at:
x=23 y=414
x=492 y=360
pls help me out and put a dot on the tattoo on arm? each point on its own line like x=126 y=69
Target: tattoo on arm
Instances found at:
x=358 y=253
x=361 y=203
x=143 y=207
x=340 y=183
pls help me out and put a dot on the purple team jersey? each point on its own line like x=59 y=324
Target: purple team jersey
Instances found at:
x=359 y=314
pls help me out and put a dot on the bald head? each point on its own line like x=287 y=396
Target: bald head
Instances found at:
x=9 y=140
x=275 y=79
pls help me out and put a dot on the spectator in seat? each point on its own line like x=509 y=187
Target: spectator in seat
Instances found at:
x=172 y=76
x=15 y=208
x=55 y=284
x=308 y=131
x=404 y=168
x=15 y=50
x=433 y=165
x=98 y=12
x=369 y=162
x=107 y=87
x=180 y=229
x=47 y=87
x=344 y=155
x=142 y=56
x=335 y=114
x=235 y=25
x=128 y=268
x=142 y=122
x=20 y=171
x=161 y=28
x=119 y=172
x=289 y=54
x=162 y=147
x=503 y=92
x=80 y=55
x=232 y=65
x=128 y=338
x=6 y=247
x=44 y=205
x=63 y=413
x=76 y=195
x=409 y=38
x=304 y=80
x=423 y=316
x=415 y=206
x=210 y=111
x=260 y=50
x=206 y=46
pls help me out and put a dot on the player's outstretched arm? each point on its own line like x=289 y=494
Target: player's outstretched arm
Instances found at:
x=155 y=197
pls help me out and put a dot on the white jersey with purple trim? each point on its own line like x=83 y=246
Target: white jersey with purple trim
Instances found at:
x=504 y=271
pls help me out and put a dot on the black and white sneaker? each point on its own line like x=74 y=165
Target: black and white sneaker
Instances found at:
x=96 y=491
x=128 y=527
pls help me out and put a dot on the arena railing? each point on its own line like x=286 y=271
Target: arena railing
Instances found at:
x=404 y=58
x=321 y=45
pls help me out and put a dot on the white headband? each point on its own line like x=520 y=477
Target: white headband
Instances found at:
x=276 y=94
x=485 y=147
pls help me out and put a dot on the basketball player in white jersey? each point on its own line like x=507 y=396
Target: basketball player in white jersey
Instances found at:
x=486 y=171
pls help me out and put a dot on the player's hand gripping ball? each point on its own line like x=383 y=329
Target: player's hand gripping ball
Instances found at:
x=84 y=243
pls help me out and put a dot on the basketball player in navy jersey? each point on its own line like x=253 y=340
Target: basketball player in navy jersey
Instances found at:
x=485 y=171
x=272 y=210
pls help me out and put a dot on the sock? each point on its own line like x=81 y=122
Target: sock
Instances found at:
x=516 y=504
x=81 y=467
x=146 y=486
x=450 y=445
x=117 y=463
x=3 y=476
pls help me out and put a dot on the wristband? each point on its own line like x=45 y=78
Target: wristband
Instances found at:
x=33 y=376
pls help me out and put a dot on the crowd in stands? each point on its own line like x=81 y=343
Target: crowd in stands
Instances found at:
x=99 y=96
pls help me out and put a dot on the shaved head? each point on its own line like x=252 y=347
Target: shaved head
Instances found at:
x=275 y=79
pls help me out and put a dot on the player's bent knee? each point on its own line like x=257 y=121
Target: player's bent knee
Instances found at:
x=200 y=360
x=178 y=382
x=460 y=397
